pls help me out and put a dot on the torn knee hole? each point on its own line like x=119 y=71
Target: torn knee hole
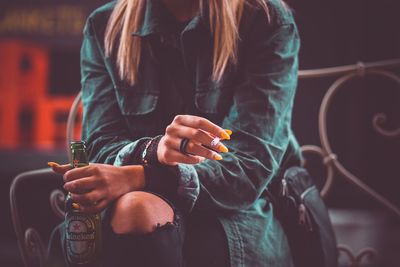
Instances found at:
x=165 y=226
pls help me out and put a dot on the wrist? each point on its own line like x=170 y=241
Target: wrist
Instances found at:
x=135 y=177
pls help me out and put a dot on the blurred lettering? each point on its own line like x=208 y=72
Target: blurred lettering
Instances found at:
x=48 y=21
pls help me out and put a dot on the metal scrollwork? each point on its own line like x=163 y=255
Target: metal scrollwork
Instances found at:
x=57 y=198
x=329 y=158
x=326 y=160
x=378 y=121
x=34 y=245
x=323 y=132
x=369 y=254
x=73 y=112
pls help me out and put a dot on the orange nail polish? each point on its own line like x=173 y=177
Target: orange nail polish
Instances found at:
x=217 y=157
x=225 y=135
x=228 y=131
x=76 y=206
x=223 y=148
x=52 y=164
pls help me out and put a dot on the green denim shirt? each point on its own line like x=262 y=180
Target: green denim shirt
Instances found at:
x=254 y=99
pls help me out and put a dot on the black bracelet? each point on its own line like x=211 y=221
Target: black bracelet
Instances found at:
x=144 y=153
x=149 y=154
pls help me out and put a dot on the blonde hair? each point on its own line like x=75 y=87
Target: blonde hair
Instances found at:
x=127 y=16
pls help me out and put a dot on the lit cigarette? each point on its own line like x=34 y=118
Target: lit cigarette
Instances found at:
x=215 y=141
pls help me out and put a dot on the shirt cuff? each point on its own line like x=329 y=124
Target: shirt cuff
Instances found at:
x=127 y=155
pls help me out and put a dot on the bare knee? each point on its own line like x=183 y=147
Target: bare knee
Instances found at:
x=140 y=212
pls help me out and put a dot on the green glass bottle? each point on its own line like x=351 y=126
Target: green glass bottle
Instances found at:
x=82 y=231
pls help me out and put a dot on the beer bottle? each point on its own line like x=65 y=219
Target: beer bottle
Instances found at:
x=82 y=231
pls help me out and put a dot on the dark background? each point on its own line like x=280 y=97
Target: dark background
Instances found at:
x=333 y=33
x=338 y=33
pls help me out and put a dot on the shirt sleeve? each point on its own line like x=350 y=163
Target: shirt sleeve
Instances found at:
x=260 y=118
x=103 y=127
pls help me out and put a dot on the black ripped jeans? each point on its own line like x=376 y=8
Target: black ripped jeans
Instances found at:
x=195 y=240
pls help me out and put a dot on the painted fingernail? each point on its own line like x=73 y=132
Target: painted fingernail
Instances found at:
x=217 y=157
x=228 y=131
x=225 y=135
x=76 y=206
x=52 y=164
x=222 y=148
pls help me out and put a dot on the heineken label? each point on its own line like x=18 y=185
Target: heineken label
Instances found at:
x=80 y=237
x=76 y=163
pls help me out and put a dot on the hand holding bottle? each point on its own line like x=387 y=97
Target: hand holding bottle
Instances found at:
x=93 y=187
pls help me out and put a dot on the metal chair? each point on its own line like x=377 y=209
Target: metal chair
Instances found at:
x=35 y=195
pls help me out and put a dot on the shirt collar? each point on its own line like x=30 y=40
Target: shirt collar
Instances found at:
x=158 y=20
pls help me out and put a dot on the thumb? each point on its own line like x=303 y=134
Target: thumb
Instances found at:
x=61 y=169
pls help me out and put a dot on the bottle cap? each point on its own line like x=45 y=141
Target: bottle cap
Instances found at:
x=78 y=143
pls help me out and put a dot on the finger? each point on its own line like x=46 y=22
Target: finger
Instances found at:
x=61 y=169
x=201 y=123
x=82 y=185
x=215 y=144
x=100 y=206
x=193 y=134
x=197 y=136
x=228 y=132
x=88 y=199
x=202 y=151
x=78 y=173
x=174 y=156
x=197 y=149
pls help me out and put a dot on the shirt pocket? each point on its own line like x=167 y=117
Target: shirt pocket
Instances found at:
x=139 y=109
x=135 y=102
x=214 y=100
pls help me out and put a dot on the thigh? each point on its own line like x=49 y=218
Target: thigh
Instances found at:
x=139 y=212
x=206 y=243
